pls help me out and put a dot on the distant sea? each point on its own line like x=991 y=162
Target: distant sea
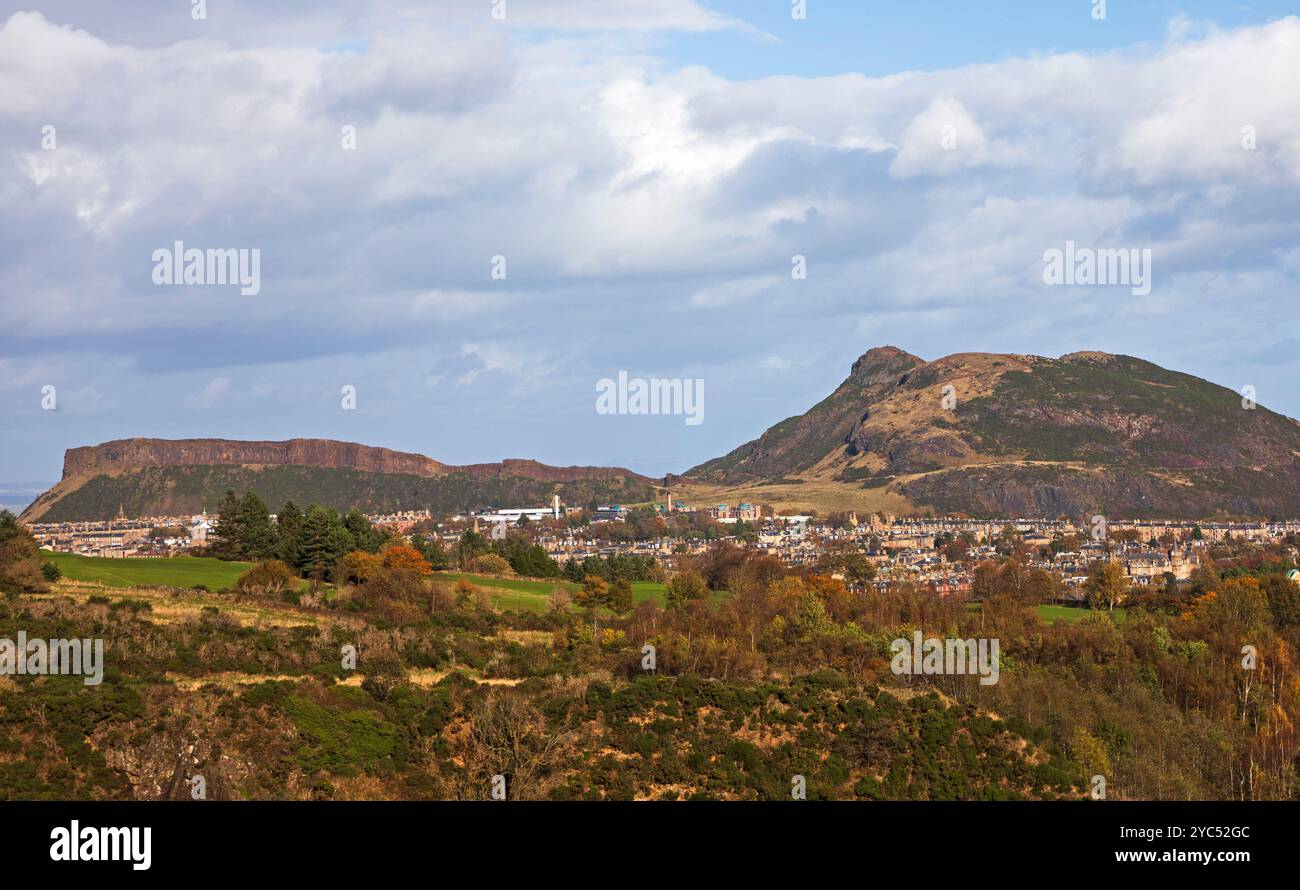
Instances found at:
x=15 y=496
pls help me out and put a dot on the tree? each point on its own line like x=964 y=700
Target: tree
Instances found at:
x=366 y=536
x=288 y=530
x=848 y=561
x=257 y=538
x=1283 y=597
x=470 y=546
x=226 y=541
x=358 y=567
x=432 y=550
x=594 y=592
x=22 y=569
x=685 y=587
x=384 y=672
x=810 y=616
x=400 y=557
x=323 y=543
x=1106 y=585
x=620 y=595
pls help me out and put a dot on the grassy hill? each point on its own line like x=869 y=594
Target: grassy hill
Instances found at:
x=1006 y=435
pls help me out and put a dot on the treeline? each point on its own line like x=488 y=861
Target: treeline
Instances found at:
x=515 y=553
x=615 y=567
x=311 y=542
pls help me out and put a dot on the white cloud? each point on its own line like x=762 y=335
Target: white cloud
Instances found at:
x=213 y=392
x=625 y=191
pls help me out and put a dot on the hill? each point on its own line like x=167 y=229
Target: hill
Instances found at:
x=151 y=477
x=1026 y=435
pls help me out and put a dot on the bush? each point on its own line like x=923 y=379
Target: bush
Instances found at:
x=491 y=564
x=270 y=576
x=358 y=567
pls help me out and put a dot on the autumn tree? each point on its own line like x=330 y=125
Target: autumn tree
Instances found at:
x=683 y=588
x=1106 y=585
x=21 y=565
x=400 y=557
x=358 y=567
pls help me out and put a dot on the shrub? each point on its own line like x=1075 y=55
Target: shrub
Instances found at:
x=491 y=564
x=358 y=567
x=270 y=576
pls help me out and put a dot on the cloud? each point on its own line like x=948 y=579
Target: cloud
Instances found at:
x=648 y=212
x=213 y=392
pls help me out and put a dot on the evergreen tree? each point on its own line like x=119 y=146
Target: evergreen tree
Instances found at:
x=433 y=551
x=620 y=595
x=471 y=546
x=288 y=527
x=324 y=541
x=256 y=533
x=365 y=535
x=226 y=537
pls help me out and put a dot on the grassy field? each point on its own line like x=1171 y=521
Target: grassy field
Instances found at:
x=179 y=571
x=526 y=595
x=1053 y=614
x=509 y=594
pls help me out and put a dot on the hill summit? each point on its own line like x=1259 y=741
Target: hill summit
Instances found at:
x=994 y=434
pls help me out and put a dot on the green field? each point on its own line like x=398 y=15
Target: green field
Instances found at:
x=178 y=571
x=510 y=594
x=1053 y=614
x=525 y=595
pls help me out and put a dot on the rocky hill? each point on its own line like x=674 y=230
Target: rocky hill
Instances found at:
x=125 y=454
x=993 y=434
x=145 y=477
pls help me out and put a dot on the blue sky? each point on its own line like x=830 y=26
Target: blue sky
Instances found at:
x=648 y=168
x=881 y=38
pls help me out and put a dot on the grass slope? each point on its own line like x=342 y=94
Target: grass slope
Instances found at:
x=179 y=571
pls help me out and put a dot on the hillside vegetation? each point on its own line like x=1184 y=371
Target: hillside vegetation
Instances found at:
x=1007 y=435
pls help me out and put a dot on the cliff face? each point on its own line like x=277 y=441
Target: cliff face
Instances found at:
x=125 y=454
x=160 y=477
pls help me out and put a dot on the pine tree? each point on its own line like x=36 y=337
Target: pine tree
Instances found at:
x=324 y=541
x=365 y=535
x=227 y=537
x=256 y=533
x=288 y=527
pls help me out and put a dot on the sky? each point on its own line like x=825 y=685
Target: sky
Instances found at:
x=648 y=171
